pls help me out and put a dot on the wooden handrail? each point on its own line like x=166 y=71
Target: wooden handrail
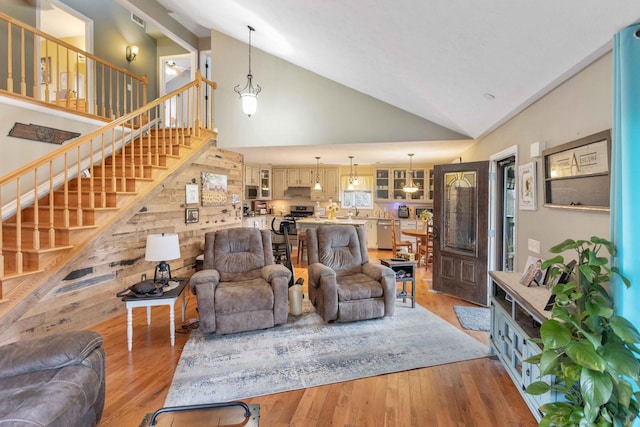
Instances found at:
x=107 y=96
x=125 y=148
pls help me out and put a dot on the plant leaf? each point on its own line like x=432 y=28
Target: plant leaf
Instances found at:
x=625 y=392
x=538 y=387
x=585 y=355
x=624 y=329
x=596 y=387
x=621 y=359
x=548 y=362
x=558 y=259
x=561 y=247
x=554 y=334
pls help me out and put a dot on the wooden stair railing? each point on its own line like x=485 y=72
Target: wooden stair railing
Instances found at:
x=65 y=192
x=63 y=76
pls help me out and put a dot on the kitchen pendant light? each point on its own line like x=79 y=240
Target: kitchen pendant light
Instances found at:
x=410 y=186
x=249 y=93
x=317 y=186
x=350 y=186
x=355 y=175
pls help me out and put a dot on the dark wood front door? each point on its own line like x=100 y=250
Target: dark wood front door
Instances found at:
x=460 y=206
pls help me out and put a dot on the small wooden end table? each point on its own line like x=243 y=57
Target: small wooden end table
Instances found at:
x=405 y=272
x=168 y=297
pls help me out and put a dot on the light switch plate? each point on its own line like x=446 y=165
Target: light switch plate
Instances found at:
x=534 y=246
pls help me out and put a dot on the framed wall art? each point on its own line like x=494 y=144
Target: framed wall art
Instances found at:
x=192 y=194
x=191 y=215
x=527 y=195
x=214 y=189
x=576 y=174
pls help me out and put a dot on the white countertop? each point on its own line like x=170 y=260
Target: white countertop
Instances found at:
x=324 y=221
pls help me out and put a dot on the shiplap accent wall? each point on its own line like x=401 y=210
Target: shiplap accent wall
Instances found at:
x=83 y=293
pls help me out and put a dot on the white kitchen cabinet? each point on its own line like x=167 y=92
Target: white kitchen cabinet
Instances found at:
x=251 y=174
x=300 y=177
x=372 y=233
x=264 y=183
x=259 y=222
x=279 y=182
x=330 y=182
x=400 y=178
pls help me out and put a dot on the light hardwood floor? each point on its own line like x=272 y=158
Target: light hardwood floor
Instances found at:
x=474 y=393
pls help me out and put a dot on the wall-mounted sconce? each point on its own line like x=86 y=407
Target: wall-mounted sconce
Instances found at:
x=131 y=53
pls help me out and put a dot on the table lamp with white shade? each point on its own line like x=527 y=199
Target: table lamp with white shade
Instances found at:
x=162 y=247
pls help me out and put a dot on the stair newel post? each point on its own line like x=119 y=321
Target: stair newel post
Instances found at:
x=65 y=192
x=199 y=88
x=23 y=78
x=9 y=59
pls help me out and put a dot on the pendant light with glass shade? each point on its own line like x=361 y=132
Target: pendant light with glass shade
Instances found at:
x=249 y=93
x=317 y=186
x=355 y=175
x=351 y=183
x=410 y=186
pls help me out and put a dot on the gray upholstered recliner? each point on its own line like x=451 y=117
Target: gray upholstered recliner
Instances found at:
x=240 y=287
x=57 y=380
x=343 y=284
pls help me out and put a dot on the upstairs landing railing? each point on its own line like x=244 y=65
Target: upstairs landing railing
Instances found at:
x=82 y=172
x=45 y=69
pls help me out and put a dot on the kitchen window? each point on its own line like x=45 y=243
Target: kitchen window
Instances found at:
x=360 y=197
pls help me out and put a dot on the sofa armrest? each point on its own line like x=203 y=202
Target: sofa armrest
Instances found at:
x=203 y=277
x=49 y=352
x=270 y=272
x=317 y=271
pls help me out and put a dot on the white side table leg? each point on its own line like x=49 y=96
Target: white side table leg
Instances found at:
x=172 y=324
x=148 y=315
x=129 y=328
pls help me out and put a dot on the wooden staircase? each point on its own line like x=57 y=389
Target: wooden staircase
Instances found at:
x=114 y=167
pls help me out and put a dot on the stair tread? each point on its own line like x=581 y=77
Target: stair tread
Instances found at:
x=9 y=248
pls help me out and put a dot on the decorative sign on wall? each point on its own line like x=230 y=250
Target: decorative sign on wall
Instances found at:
x=192 y=194
x=214 y=189
x=41 y=133
x=527 y=187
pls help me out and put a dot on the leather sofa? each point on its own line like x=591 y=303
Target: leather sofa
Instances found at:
x=57 y=381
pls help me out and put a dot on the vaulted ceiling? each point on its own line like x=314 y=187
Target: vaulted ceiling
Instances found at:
x=468 y=66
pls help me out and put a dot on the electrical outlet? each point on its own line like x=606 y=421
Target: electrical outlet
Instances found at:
x=534 y=246
x=143 y=277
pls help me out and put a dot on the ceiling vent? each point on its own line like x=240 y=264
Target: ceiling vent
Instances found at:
x=135 y=18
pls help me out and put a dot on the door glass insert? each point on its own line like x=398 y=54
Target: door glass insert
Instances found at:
x=460 y=211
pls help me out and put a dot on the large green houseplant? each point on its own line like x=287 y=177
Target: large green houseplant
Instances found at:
x=589 y=351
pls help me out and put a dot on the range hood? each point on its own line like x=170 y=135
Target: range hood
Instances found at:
x=297 y=192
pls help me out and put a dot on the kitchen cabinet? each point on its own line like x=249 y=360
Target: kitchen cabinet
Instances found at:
x=301 y=177
x=372 y=233
x=264 y=183
x=516 y=315
x=382 y=184
x=279 y=182
x=251 y=174
x=330 y=182
x=390 y=182
x=400 y=177
x=430 y=187
x=259 y=222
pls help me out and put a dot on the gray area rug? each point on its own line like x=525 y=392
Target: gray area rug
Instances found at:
x=473 y=318
x=308 y=352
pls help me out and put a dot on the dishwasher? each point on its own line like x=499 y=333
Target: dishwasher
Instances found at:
x=385 y=240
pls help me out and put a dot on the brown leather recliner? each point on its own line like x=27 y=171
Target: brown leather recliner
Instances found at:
x=343 y=285
x=240 y=287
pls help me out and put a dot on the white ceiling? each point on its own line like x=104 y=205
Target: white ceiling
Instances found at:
x=466 y=65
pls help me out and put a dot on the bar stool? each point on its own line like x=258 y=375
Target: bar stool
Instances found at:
x=302 y=246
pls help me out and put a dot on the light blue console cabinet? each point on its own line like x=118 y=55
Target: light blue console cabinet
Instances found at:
x=517 y=312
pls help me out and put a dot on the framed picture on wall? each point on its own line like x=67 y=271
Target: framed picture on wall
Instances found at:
x=45 y=70
x=527 y=194
x=191 y=215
